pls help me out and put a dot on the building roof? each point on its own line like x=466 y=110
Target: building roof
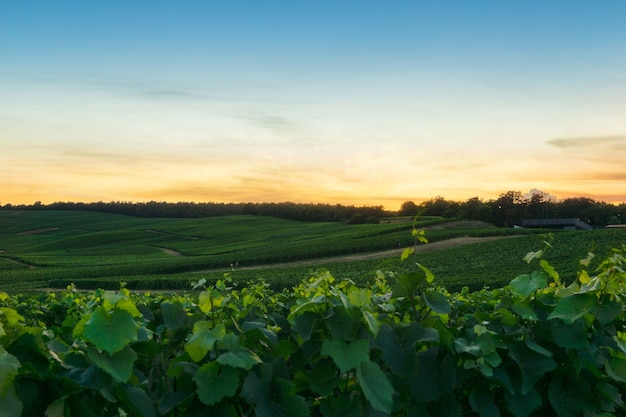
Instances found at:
x=556 y=224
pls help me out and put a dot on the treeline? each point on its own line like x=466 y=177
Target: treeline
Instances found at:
x=284 y=210
x=507 y=210
x=512 y=207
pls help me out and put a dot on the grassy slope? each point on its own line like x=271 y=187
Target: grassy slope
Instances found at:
x=99 y=250
x=486 y=264
x=101 y=247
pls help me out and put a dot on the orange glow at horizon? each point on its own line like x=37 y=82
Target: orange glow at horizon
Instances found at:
x=357 y=180
x=373 y=175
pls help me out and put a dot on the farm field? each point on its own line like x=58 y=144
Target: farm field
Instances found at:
x=53 y=249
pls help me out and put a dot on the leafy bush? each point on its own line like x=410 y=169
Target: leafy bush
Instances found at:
x=399 y=347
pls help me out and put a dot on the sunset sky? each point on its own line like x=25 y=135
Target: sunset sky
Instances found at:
x=352 y=102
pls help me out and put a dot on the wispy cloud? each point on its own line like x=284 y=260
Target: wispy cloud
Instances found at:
x=607 y=176
x=97 y=156
x=617 y=142
x=604 y=153
x=156 y=89
x=271 y=121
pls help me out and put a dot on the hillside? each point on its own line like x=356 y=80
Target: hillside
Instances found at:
x=50 y=248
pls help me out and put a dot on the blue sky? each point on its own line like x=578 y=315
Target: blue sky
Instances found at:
x=357 y=102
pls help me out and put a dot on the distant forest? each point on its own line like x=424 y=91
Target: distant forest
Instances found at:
x=512 y=207
x=508 y=209
x=284 y=210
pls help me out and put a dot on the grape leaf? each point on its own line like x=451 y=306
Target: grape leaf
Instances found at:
x=119 y=365
x=239 y=358
x=10 y=403
x=203 y=339
x=525 y=285
x=216 y=382
x=174 y=315
x=9 y=366
x=110 y=331
x=571 y=308
x=347 y=356
x=437 y=301
x=375 y=386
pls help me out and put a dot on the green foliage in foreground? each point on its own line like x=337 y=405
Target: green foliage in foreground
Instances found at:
x=399 y=347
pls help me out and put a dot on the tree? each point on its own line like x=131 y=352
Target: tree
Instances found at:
x=475 y=209
x=439 y=206
x=508 y=209
x=538 y=204
x=408 y=208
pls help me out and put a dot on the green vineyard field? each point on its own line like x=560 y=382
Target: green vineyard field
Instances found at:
x=53 y=249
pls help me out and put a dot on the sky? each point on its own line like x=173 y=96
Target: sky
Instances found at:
x=351 y=102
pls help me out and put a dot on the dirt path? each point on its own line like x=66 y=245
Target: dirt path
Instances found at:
x=37 y=231
x=443 y=244
x=171 y=252
x=18 y=262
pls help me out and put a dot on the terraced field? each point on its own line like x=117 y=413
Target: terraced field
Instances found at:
x=52 y=249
